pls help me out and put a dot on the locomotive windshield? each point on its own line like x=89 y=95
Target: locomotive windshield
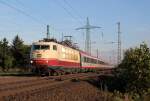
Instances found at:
x=40 y=47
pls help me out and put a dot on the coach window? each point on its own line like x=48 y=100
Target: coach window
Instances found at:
x=95 y=61
x=55 y=47
x=92 y=60
x=87 y=59
x=84 y=59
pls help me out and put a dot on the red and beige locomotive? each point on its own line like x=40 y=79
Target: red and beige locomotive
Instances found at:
x=51 y=56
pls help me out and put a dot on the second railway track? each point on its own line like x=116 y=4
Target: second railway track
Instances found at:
x=37 y=84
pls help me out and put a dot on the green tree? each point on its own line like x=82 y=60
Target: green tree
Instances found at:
x=134 y=70
x=6 y=58
x=20 y=52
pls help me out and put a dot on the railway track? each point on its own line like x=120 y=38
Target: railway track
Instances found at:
x=15 y=90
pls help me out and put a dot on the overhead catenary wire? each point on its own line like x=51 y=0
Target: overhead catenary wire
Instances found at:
x=69 y=5
x=28 y=8
x=22 y=12
x=67 y=11
x=6 y=3
x=19 y=2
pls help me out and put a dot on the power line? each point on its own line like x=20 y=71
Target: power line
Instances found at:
x=67 y=3
x=22 y=12
x=67 y=11
x=19 y=2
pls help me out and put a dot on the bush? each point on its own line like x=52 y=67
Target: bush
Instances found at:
x=135 y=70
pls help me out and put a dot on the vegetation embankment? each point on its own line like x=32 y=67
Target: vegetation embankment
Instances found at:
x=132 y=76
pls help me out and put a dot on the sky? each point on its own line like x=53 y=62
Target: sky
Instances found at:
x=28 y=19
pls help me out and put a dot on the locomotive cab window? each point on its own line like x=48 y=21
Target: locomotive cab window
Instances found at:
x=55 y=47
x=36 y=47
x=40 y=47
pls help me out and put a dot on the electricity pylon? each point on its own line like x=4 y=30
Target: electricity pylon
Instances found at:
x=88 y=27
x=119 y=43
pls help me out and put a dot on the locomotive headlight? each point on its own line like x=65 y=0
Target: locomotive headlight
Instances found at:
x=47 y=61
x=31 y=61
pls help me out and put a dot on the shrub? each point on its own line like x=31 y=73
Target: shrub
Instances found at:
x=135 y=70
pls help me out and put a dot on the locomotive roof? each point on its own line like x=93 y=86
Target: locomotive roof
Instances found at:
x=48 y=42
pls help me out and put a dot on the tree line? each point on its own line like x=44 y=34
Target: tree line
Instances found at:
x=14 y=55
x=132 y=75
